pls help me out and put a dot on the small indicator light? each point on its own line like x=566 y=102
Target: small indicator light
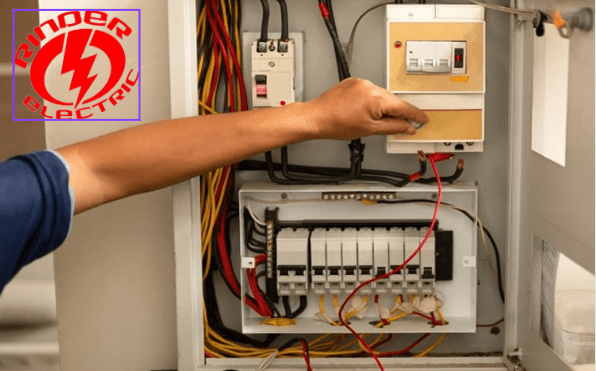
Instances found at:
x=398 y=44
x=283 y=103
x=458 y=58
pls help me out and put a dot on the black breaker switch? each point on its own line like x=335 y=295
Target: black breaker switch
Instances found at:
x=458 y=56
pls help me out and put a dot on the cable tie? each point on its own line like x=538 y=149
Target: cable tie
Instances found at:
x=324 y=10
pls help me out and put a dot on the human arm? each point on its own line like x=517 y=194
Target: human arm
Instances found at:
x=156 y=155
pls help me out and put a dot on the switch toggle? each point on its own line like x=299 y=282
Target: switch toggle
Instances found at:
x=261 y=86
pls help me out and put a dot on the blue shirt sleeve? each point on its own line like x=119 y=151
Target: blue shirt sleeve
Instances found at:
x=35 y=209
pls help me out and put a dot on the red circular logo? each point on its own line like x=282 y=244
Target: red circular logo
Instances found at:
x=75 y=42
x=73 y=45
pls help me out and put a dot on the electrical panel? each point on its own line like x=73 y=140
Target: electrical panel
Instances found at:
x=320 y=255
x=435 y=60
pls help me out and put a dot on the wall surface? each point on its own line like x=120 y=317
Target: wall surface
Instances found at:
x=115 y=272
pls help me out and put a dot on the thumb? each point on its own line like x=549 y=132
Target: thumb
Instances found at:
x=395 y=107
x=390 y=125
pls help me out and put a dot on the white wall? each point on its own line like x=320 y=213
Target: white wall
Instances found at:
x=115 y=272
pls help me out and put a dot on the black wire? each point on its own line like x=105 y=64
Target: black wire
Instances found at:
x=256 y=249
x=369 y=175
x=319 y=178
x=216 y=322
x=285 y=33
x=260 y=233
x=469 y=216
x=270 y=303
x=288 y=310
x=264 y=21
x=447 y=179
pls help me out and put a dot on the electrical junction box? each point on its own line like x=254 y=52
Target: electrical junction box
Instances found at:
x=326 y=247
x=513 y=192
x=435 y=60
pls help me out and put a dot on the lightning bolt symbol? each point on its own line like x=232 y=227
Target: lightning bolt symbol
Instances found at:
x=75 y=47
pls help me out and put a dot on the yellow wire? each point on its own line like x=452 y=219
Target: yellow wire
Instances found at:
x=441 y=318
x=207 y=108
x=431 y=347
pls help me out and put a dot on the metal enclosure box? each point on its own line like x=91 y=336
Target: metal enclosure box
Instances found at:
x=298 y=203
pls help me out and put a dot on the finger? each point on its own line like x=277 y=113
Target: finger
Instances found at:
x=396 y=107
x=389 y=126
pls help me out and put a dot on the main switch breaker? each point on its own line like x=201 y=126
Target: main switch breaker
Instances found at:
x=273 y=73
x=436 y=57
x=435 y=60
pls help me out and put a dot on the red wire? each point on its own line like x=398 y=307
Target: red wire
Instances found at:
x=305 y=354
x=236 y=63
x=431 y=159
x=406 y=349
x=386 y=340
x=431 y=319
x=251 y=275
x=222 y=50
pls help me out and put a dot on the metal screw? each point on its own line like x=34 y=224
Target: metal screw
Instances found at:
x=272 y=47
x=272 y=64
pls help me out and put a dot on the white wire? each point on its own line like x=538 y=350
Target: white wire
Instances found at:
x=267 y=361
x=504 y=8
x=252 y=215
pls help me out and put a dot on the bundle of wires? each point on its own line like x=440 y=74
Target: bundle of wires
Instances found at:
x=219 y=72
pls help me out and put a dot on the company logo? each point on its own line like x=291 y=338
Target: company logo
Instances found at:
x=80 y=65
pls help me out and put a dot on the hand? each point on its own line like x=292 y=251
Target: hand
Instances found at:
x=357 y=108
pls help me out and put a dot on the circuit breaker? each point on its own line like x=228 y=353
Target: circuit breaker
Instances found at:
x=435 y=60
x=273 y=73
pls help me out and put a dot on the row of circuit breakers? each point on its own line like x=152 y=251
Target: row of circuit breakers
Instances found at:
x=336 y=260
